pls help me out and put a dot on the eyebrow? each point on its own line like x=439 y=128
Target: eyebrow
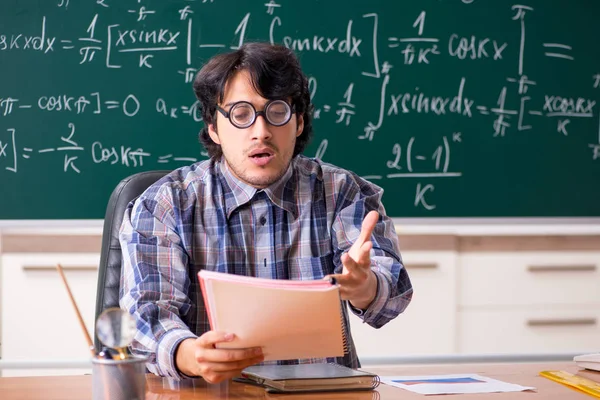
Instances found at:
x=246 y=101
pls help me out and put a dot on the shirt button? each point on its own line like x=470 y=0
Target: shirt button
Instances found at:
x=262 y=220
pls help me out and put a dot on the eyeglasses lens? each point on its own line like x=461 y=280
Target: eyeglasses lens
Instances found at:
x=278 y=113
x=242 y=114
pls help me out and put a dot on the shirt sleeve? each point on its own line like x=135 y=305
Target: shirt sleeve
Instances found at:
x=394 y=289
x=154 y=280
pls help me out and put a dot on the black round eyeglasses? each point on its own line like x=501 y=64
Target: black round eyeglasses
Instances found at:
x=243 y=114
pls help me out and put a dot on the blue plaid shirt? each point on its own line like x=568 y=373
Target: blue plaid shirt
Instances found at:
x=203 y=217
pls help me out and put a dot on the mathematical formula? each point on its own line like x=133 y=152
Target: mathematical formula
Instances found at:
x=148 y=35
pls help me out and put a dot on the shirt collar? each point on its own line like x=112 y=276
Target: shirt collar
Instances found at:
x=281 y=193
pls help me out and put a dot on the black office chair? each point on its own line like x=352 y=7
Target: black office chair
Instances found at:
x=109 y=270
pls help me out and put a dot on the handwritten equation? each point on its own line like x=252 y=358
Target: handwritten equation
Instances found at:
x=409 y=97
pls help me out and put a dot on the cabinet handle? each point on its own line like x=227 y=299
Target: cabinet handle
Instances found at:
x=78 y=268
x=561 y=322
x=421 y=266
x=561 y=268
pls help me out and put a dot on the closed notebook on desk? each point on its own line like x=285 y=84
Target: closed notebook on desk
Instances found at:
x=288 y=319
x=310 y=378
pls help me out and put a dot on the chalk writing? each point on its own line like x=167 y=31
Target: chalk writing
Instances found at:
x=411 y=94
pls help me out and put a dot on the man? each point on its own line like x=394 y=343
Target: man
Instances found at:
x=256 y=208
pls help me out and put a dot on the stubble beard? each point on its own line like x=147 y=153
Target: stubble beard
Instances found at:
x=259 y=181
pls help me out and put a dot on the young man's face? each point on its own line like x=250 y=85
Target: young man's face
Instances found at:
x=260 y=154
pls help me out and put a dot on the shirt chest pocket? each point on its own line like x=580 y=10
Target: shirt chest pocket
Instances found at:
x=309 y=268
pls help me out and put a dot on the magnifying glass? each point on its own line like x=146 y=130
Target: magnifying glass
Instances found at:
x=115 y=329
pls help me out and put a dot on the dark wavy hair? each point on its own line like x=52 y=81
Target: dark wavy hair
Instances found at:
x=275 y=74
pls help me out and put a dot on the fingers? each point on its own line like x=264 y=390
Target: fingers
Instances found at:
x=211 y=338
x=346 y=281
x=231 y=356
x=208 y=352
x=360 y=256
x=352 y=286
x=356 y=279
x=357 y=258
x=216 y=365
x=368 y=225
x=223 y=367
x=216 y=377
x=214 y=372
x=355 y=274
x=364 y=237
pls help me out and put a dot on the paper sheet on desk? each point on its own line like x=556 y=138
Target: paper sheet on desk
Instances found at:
x=452 y=384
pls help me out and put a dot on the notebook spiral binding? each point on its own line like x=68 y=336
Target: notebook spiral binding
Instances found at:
x=376 y=381
x=345 y=328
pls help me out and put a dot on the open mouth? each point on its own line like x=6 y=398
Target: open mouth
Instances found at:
x=261 y=157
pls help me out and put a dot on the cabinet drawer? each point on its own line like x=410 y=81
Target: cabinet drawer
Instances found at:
x=529 y=330
x=428 y=324
x=540 y=278
x=38 y=319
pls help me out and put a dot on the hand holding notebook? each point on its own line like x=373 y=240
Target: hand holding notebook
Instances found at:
x=288 y=319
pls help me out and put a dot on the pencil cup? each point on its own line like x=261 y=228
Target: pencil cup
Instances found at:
x=119 y=379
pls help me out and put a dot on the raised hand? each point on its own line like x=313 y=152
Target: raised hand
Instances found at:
x=358 y=283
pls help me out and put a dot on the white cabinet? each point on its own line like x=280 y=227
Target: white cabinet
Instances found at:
x=428 y=326
x=529 y=279
x=472 y=295
x=529 y=302
x=530 y=330
x=38 y=321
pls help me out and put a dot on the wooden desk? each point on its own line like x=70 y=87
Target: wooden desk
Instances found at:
x=80 y=387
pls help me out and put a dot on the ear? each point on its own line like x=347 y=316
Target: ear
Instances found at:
x=213 y=133
x=300 y=125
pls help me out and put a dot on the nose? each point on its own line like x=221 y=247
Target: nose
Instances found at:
x=261 y=129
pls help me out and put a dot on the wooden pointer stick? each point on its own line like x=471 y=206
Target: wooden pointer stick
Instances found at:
x=83 y=328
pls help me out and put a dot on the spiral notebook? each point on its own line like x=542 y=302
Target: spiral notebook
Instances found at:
x=288 y=319
x=310 y=378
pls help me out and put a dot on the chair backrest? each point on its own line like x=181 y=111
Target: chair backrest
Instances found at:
x=109 y=270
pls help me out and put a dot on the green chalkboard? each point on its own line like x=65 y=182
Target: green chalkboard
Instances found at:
x=457 y=108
